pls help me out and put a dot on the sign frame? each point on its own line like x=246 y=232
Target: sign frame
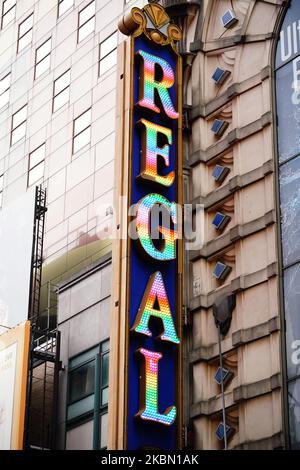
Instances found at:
x=135 y=25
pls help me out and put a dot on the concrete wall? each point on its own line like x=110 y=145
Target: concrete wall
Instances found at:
x=84 y=305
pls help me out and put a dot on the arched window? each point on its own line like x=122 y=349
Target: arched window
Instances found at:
x=287 y=74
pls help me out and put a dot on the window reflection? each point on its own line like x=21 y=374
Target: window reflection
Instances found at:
x=64 y=5
x=290 y=210
x=42 y=59
x=294 y=413
x=8 y=12
x=288 y=111
x=61 y=90
x=292 y=302
x=108 y=53
x=87 y=21
x=25 y=33
x=1 y=189
x=36 y=165
x=82 y=130
x=5 y=90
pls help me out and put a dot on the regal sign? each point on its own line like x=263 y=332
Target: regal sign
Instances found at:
x=153 y=349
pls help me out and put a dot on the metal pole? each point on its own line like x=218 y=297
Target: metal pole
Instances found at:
x=96 y=425
x=222 y=388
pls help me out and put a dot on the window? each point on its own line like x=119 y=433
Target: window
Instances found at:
x=64 y=5
x=81 y=387
x=108 y=53
x=25 y=33
x=8 y=12
x=1 y=188
x=36 y=165
x=42 y=58
x=5 y=90
x=287 y=76
x=18 y=125
x=61 y=90
x=82 y=130
x=86 y=21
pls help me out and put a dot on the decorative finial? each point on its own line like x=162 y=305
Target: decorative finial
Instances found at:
x=154 y=22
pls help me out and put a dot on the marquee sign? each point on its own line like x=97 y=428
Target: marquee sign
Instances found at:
x=153 y=350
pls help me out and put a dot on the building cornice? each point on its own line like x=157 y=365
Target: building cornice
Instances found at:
x=238 y=284
x=239 y=338
x=221 y=244
x=233 y=137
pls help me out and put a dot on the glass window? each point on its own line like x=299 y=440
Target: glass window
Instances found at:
x=18 y=130
x=108 y=53
x=81 y=386
x=82 y=130
x=292 y=302
x=64 y=5
x=36 y=165
x=5 y=90
x=36 y=174
x=294 y=413
x=290 y=210
x=8 y=12
x=103 y=430
x=84 y=357
x=1 y=188
x=288 y=132
x=288 y=112
x=42 y=58
x=82 y=382
x=86 y=21
x=82 y=122
x=25 y=33
x=20 y=116
x=289 y=45
x=61 y=90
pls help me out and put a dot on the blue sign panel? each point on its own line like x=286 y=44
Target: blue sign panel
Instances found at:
x=154 y=284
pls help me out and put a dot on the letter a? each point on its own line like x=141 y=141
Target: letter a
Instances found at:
x=155 y=290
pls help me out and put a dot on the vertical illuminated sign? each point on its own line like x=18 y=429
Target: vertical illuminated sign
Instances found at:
x=153 y=350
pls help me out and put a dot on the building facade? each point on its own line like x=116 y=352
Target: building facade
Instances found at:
x=60 y=125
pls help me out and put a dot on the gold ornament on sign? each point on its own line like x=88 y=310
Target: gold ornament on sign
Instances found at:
x=154 y=22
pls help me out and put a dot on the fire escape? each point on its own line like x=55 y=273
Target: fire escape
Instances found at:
x=44 y=365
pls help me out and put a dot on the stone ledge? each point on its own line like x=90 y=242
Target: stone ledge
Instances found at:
x=238 y=284
x=245 y=392
x=276 y=441
x=256 y=332
x=256 y=389
x=211 y=46
x=235 y=184
x=213 y=247
x=208 y=353
x=236 y=89
x=212 y=406
x=234 y=136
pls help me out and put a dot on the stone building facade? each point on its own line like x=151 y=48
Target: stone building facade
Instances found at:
x=254 y=347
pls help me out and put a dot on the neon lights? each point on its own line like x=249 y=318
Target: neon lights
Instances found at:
x=149 y=84
x=150 y=152
x=143 y=227
x=155 y=290
x=149 y=406
x=154 y=284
